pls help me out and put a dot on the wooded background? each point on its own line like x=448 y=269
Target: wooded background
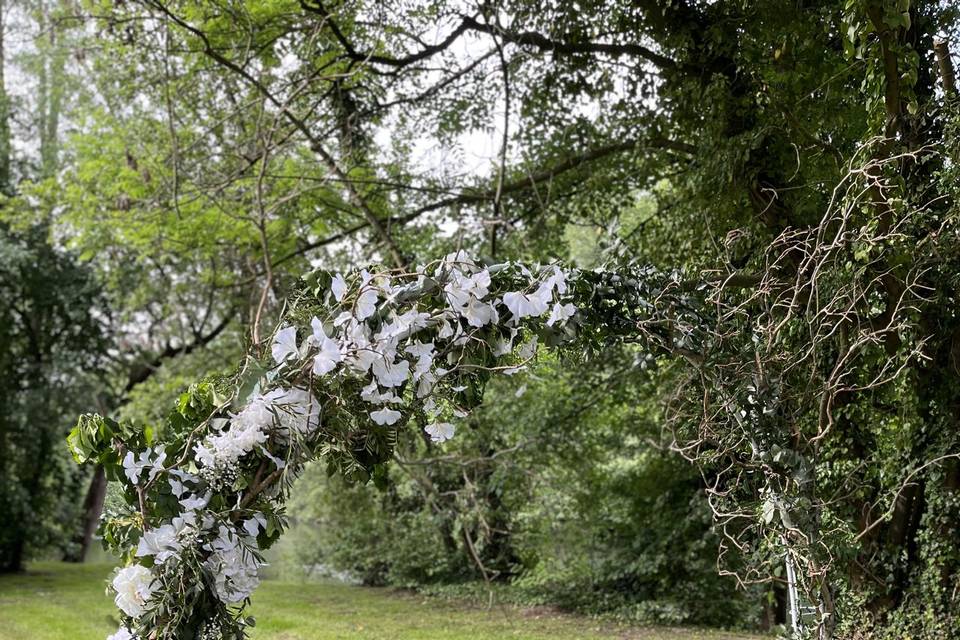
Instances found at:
x=171 y=169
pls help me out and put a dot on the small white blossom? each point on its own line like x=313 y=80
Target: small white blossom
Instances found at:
x=285 y=345
x=371 y=393
x=194 y=502
x=255 y=524
x=426 y=383
x=160 y=542
x=366 y=304
x=503 y=346
x=465 y=295
x=330 y=353
x=165 y=541
x=528 y=349
x=522 y=305
x=385 y=416
x=405 y=323
x=133 y=467
x=479 y=314
x=339 y=287
x=294 y=410
x=389 y=373
x=221 y=450
x=178 y=480
x=556 y=281
x=424 y=355
x=561 y=313
x=440 y=431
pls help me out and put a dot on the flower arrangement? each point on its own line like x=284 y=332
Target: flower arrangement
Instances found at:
x=357 y=358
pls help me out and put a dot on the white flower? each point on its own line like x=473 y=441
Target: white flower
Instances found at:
x=234 y=568
x=160 y=542
x=479 y=313
x=420 y=349
x=426 y=383
x=461 y=288
x=178 y=479
x=423 y=352
x=132 y=467
x=382 y=282
x=385 y=416
x=461 y=259
x=134 y=586
x=390 y=373
x=503 y=346
x=447 y=329
x=363 y=358
x=122 y=634
x=557 y=281
x=285 y=345
x=258 y=413
x=339 y=287
x=465 y=294
x=366 y=304
x=561 y=313
x=371 y=393
x=330 y=351
x=359 y=351
x=440 y=431
x=221 y=450
x=194 y=502
x=255 y=524
x=528 y=349
x=405 y=323
x=294 y=409
x=164 y=542
x=522 y=305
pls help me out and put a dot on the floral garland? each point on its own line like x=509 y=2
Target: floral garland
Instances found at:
x=361 y=356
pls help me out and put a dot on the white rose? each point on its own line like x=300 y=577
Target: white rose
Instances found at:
x=134 y=586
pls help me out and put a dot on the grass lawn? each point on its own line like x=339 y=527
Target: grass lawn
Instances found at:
x=55 y=601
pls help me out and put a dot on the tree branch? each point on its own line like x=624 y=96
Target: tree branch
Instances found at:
x=143 y=371
x=542 y=42
x=470 y=23
x=315 y=144
x=473 y=197
x=947 y=76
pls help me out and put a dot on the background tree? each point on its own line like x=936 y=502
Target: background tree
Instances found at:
x=799 y=161
x=52 y=340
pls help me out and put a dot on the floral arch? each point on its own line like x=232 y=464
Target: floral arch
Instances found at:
x=358 y=357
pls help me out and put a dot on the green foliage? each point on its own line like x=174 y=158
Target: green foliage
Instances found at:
x=51 y=342
x=556 y=486
x=218 y=149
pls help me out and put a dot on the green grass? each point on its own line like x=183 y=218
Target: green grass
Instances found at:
x=55 y=601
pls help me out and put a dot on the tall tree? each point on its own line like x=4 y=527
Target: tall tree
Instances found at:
x=6 y=185
x=51 y=336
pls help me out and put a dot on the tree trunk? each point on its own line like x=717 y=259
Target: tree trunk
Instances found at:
x=90 y=517
x=6 y=180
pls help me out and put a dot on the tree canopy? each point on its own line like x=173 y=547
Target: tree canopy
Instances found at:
x=774 y=183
